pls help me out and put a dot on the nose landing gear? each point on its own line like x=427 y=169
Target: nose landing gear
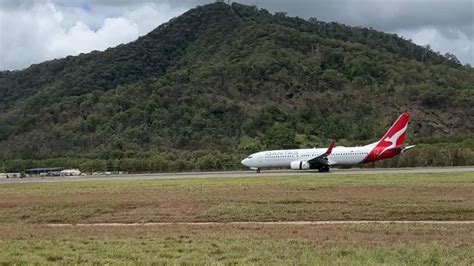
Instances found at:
x=257 y=170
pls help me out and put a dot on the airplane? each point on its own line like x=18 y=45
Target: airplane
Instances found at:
x=390 y=145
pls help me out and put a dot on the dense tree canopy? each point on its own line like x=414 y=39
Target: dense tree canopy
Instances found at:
x=220 y=79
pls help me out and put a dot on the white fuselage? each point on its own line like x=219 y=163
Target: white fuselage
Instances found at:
x=391 y=144
x=283 y=158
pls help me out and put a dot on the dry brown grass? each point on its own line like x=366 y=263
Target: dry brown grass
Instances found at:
x=265 y=203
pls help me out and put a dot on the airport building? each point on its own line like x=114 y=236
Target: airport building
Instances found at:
x=52 y=171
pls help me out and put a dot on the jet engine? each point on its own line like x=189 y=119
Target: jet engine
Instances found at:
x=299 y=165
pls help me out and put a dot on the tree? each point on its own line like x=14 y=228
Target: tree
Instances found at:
x=280 y=137
x=452 y=59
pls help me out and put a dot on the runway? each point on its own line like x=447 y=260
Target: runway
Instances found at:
x=295 y=223
x=235 y=174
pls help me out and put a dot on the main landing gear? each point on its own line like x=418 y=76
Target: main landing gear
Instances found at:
x=324 y=169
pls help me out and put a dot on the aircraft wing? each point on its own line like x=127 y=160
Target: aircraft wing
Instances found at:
x=323 y=158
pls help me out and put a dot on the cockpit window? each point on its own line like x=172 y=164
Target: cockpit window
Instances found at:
x=250 y=157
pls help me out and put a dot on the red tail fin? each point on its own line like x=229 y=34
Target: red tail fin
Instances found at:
x=394 y=137
x=396 y=134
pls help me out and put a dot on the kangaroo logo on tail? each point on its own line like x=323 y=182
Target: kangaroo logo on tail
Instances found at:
x=394 y=137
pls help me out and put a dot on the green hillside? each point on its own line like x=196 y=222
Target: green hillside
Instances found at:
x=221 y=81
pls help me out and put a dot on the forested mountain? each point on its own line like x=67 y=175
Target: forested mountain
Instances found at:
x=221 y=81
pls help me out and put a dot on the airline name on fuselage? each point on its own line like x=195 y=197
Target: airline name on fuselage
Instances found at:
x=282 y=153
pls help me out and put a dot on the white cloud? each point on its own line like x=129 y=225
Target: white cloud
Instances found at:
x=150 y=15
x=32 y=31
x=81 y=38
x=39 y=31
x=441 y=41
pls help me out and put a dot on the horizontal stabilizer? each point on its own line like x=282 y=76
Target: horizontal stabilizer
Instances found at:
x=407 y=148
x=401 y=148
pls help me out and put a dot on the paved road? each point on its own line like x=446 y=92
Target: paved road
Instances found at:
x=261 y=223
x=233 y=174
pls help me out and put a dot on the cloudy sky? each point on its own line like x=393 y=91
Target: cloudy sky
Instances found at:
x=32 y=31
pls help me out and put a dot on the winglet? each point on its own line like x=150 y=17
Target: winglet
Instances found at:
x=328 y=152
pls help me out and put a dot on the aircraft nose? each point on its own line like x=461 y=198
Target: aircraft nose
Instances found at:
x=244 y=162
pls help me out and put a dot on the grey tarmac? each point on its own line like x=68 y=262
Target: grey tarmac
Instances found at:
x=236 y=174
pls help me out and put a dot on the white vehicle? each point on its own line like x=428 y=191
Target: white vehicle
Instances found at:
x=13 y=175
x=3 y=175
x=70 y=172
x=391 y=144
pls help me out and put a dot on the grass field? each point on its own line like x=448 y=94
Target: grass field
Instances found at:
x=27 y=209
x=231 y=244
x=437 y=196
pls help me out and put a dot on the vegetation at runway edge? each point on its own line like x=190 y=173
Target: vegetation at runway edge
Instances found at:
x=222 y=81
x=435 y=154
